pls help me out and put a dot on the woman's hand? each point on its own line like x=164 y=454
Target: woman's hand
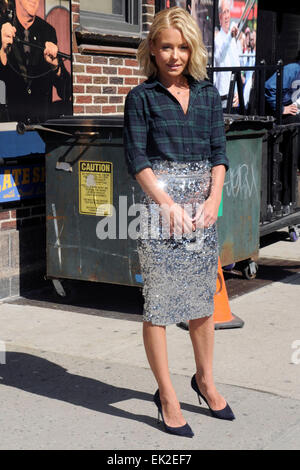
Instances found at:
x=207 y=214
x=176 y=220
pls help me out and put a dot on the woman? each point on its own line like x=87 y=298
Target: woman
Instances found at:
x=175 y=148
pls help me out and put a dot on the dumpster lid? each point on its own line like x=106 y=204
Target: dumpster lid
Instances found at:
x=86 y=121
x=284 y=127
x=239 y=122
x=75 y=125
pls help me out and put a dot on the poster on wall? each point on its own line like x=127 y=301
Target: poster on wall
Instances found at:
x=20 y=182
x=203 y=12
x=35 y=61
x=235 y=44
x=175 y=3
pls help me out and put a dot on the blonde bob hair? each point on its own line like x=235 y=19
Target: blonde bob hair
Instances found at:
x=175 y=17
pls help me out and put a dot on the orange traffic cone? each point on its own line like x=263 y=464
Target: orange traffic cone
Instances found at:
x=223 y=318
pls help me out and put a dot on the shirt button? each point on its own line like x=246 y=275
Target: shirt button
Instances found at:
x=187 y=149
x=29 y=91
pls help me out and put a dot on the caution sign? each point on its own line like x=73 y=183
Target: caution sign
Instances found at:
x=95 y=188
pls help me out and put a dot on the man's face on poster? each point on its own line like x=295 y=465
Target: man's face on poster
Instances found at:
x=248 y=40
x=253 y=40
x=224 y=15
x=29 y=6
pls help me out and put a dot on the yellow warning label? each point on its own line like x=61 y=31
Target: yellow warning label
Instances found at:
x=95 y=188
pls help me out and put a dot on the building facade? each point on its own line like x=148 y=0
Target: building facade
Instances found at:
x=104 y=65
x=104 y=39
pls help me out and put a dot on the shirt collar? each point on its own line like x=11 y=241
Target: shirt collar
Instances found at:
x=224 y=33
x=152 y=81
x=20 y=27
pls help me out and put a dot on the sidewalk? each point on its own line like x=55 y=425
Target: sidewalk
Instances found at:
x=77 y=381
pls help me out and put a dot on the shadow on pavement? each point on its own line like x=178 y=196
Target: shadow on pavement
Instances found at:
x=269 y=270
x=42 y=377
x=107 y=300
x=274 y=237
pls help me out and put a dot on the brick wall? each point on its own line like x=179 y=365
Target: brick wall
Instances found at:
x=101 y=82
x=23 y=217
x=22 y=248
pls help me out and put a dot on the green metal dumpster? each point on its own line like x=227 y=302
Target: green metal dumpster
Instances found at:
x=88 y=196
x=90 y=199
x=238 y=227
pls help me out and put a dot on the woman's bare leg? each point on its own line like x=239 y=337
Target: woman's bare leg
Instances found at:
x=202 y=336
x=155 y=343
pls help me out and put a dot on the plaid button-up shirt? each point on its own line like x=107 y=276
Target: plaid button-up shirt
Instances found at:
x=156 y=128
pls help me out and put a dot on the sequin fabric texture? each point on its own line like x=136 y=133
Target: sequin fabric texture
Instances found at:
x=179 y=272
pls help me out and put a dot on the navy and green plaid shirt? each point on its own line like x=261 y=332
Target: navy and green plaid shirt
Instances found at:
x=155 y=126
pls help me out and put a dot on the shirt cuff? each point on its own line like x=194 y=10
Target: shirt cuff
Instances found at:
x=221 y=161
x=139 y=168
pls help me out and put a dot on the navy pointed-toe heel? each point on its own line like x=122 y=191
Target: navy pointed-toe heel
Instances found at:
x=225 y=413
x=184 y=431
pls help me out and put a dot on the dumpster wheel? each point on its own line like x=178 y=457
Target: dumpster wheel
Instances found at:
x=293 y=233
x=249 y=270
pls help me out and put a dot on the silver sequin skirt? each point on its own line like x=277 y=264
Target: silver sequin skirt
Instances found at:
x=179 y=272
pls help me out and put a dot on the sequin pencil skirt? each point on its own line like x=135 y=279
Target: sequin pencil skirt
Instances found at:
x=179 y=272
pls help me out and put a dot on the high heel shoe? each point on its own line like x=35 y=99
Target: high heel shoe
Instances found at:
x=184 y=430
x=225 y=413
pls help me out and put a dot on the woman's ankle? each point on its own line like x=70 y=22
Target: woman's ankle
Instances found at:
x=205 y=382
x=167 y=395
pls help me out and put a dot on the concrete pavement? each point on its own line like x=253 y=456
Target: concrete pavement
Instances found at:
x=78 y=381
